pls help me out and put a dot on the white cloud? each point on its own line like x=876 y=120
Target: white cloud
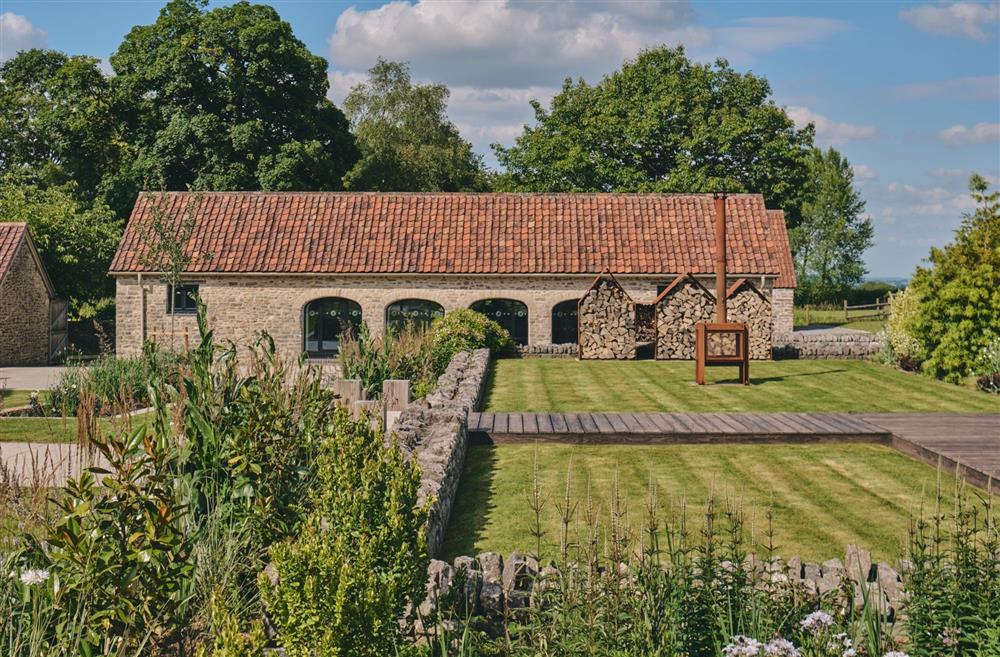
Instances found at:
x=980 y=133
x=914 y=200
x=948 y=173
x=17 y=33
x=508 y=44
x=763 y=34
x=864 y=173
x=832 y=132
x=970 y=20
x=980 y=87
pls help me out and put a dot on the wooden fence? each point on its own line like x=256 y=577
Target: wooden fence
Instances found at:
x=878 y=310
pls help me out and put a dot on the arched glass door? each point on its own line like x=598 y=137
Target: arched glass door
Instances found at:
x=564 y=326
x=418 y=313
x=325 y=321
x=508 y=313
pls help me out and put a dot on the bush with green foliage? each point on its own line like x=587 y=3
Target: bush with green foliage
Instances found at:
x=989 y=368
x=343 y=582
x=374 y=359
x=959 y=292
x=115 y=384
x=465 y=330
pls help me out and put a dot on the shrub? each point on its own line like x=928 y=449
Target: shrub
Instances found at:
x=899 y=347
x=116 y=384
x=344 y=581
x=406 y=355
x=959 y=299
x=989 y=368
x=463 y=330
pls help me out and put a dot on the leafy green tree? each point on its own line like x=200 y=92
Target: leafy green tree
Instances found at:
x=959 y=293
x=831 y=236
x=407 y=142
x=58 y=124
x=75 y=241
x=663 y=123
x=227 y=99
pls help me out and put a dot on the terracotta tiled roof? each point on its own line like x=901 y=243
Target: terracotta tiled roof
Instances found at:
x=783 y=249
x=11 y=236
x=293 y=232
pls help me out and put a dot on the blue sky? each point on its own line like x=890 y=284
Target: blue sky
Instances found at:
x=909 y=91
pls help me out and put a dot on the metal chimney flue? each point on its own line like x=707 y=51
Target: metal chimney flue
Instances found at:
x=720 y=258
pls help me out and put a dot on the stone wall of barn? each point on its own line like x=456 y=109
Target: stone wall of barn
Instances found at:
x=240 y=305
x=24 y=313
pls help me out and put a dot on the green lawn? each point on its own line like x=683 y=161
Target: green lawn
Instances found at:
x=49 y=429
x=834 y=317
x=563 y=384
x=14 y=398
x=823 y=495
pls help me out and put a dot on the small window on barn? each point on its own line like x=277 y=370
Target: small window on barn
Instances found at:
x=564 y=326
x=418 y=313
x=181 y=299
x=325 y=321
x=508 y=313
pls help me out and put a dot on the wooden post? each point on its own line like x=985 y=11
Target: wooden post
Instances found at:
x=396 y=396
x=720 y=258
x=845 y=310
x=349 y=391
x=699 y=354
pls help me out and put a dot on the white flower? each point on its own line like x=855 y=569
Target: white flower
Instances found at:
x=32 y=576
x=781 y=648
x=817 y=622
x=895 y=653
x=742 y=646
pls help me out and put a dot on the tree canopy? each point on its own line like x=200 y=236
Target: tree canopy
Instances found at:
x=407 y=142
x=227 y=99
x=831 y=236
x=663 y=123
x=958 y=312
x=75 y=241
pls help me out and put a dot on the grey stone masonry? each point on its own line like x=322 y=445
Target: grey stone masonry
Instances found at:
x=24 y=312
x=493 y=587
x=827 y=344
x=434 y=431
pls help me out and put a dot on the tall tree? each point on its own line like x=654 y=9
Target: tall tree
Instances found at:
x=958 y=293
x=663 y=123
x=76 y=241
x=407 y=142
x=230 y=99
x=832 y=236
x=58 y=124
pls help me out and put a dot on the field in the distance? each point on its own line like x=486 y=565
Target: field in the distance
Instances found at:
x=569 y=385
x=823 y=496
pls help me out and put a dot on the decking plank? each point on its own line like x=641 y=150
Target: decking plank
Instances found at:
x=573 y=423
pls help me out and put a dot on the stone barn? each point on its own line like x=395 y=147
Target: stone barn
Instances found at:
x=26 y=300
x=306 y=266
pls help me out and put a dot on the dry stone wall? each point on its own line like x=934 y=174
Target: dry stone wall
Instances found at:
x=748 y=305
x=607 y=322
x=677 y=313
x=434 y=431
x=822 y=345
x=493 y=587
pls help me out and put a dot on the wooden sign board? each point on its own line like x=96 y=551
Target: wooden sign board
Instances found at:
x=722 y=344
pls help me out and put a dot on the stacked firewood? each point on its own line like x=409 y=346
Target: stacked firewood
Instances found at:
x=607 y=323
x=676 y=315
x=750 y=306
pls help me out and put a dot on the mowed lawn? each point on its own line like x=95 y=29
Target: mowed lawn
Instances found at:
x=14 y=398
x=569 y=385
x=52 y=429
x=823 y=496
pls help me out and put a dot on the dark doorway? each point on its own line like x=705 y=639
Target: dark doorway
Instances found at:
x=508 y=313
x=325 y=321
x=565 y=329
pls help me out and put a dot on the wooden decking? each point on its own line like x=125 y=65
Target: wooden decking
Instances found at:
x=967 y=442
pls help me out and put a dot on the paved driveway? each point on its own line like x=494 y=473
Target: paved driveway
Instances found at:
x=29 y=378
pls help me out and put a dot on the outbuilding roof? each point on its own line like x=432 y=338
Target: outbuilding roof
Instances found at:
x=458 y=233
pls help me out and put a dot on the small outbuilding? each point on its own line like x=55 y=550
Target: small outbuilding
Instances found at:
x=27 y=301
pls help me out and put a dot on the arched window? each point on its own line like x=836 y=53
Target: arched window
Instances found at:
x=564 y=326
x=510 y=314
x=417 y=312
x=325 y=321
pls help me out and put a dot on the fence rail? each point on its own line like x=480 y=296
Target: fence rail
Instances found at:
x=880 y=310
